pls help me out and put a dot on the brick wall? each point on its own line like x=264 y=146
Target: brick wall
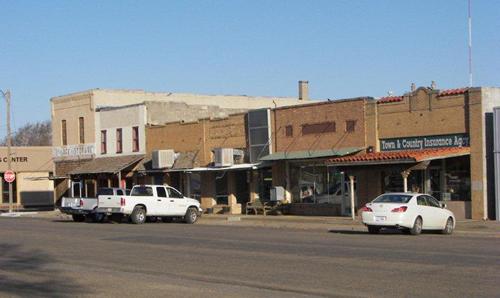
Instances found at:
x=311 y=126
x=200 y=137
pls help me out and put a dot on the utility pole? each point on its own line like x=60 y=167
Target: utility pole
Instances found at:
x=469 y=19
x=9 y=144
x=6 y=95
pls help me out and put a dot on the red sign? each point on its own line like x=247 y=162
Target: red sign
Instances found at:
x=9 y=176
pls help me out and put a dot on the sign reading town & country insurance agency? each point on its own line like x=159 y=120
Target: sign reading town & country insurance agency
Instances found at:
x=425 y=142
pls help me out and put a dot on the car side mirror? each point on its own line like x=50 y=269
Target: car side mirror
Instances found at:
x=443 y=205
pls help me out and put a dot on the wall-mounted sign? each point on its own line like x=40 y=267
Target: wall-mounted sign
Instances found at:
x=74 y=151
x=425 y=142
x=14 y=159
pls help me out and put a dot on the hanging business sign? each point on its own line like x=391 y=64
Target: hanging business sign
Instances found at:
x=425 y=142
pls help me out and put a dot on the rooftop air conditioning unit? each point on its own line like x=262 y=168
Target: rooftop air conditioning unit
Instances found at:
x=223 y=157
x=163 y=159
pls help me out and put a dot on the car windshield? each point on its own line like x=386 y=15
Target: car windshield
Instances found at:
x=139 y=191
x=393 y=198
x=105 y=192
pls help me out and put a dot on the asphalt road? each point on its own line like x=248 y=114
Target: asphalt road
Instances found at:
x=43 y=257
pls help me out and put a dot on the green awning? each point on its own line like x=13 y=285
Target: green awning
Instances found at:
x=310 y=154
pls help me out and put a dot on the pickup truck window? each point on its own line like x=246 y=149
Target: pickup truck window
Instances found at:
x=160 y=191
x=105 y=191
x=142 y=191
x=173 y=193
x=119 y=192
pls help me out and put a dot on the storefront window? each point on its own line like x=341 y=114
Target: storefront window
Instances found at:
x=195 y=185
x=5 y=192
x=457 y=179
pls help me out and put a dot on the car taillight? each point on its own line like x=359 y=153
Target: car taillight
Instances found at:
x=81 y=203
x=122 y=201
x=399 y=209
x=366 y=209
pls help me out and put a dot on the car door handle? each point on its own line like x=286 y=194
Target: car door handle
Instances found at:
x=171 y=200
x=159 y=200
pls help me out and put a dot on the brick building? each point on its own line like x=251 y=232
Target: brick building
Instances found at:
x=427 y=140
x=84 y=122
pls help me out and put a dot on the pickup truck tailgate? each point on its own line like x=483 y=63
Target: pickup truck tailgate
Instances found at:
x=106 y=201
x=70 y=202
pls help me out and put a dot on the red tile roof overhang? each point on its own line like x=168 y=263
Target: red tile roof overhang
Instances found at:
x=398 y=157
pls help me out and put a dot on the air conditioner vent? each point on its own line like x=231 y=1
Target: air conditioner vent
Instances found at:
x=223 y=157
x=163 y=159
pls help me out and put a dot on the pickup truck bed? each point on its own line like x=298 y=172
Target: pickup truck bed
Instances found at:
x=81 y=208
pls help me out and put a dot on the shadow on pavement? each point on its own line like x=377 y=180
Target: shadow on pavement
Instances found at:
x=26 y=273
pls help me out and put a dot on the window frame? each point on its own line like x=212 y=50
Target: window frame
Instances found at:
x=104 y=141
x=350 y=128
x=64 y=132
x=119 y=140
x=135 y=139
x=81 y=130
x=289 y=130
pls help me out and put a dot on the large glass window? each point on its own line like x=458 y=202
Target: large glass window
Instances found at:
x=195 y=185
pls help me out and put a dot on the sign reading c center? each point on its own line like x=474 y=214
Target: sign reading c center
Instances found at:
x=425 y=142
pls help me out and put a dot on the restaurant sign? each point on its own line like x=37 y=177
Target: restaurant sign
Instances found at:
x=425 y=142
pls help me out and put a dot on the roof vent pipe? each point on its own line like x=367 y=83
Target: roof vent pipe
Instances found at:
x=303 y=90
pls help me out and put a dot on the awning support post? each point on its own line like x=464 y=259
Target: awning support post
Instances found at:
x=119 y=179
x=351 y=188
x=405 y=175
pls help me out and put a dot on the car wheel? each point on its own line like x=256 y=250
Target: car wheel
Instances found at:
x=98 y=217
x=448 y=228
x=78 y=217
x=417 y=226
x=373 y=229
x=191 y=215
x=138 y=215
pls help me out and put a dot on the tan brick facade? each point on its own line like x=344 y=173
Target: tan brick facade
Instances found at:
x=200 y=137
x=337 y=112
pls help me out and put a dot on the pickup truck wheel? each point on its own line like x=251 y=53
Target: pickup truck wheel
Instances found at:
x=191 y=215
x=78 y=217
x=98 y=217
x=138 y=215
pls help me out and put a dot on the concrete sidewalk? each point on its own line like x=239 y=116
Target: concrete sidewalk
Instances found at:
x=333 y=224
x=304 y=223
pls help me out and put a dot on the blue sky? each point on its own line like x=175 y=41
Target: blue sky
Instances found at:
x=344 y=48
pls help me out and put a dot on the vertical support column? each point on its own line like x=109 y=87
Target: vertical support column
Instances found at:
x=207 y=189
x=120 y=179
x=351 y=188
x=254 y=186
x=405 y=175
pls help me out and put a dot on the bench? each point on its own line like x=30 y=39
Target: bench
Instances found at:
x=257 y=206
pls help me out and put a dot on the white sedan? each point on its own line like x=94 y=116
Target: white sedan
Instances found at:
x=412 y=212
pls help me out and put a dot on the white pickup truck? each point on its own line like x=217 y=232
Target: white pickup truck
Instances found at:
x=151 y=201
x=80 y=208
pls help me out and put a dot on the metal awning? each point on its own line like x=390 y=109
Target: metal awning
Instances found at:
x=283 y=155
x=107 y=165
x=243 y=166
